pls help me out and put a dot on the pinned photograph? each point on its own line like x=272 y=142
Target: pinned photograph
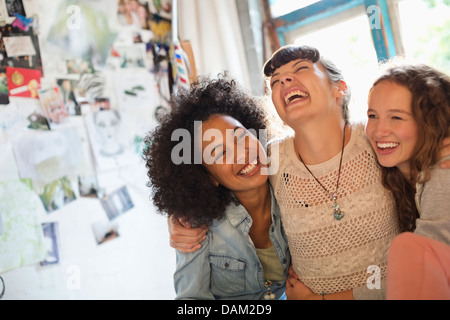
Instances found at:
x=53 y=104
x=4 y=97
x=79 y=66
x=88 y=186
x=135 y=90
x=51 y=241
x=105 y=231
x=117 y=203
x=66 y=87
x=24 y=83
x=132 y=56
x=46 y=156
x=57 y=194
x=101 y=104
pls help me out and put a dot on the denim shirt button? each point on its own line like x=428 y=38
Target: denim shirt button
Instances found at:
x=226 y=265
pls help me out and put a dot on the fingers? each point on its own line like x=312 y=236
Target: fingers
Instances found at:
x=183 y=238
x=292 y=273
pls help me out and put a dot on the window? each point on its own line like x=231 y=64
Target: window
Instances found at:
x=282 y=7
x=425 y=31
x=354 y=53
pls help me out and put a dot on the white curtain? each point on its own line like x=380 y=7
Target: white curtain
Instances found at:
x=214 y=31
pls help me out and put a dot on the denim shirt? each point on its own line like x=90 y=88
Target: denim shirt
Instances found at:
x=227 y=266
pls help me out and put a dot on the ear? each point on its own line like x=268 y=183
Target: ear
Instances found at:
x=342 y=88
x=213 y=180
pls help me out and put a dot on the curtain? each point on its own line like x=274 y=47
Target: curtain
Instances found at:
x=214 y=31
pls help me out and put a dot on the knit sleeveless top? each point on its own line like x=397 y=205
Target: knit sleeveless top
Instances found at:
x=330 y=255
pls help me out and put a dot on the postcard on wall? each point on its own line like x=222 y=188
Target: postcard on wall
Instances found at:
x=53 y=104
x=4 y=97
x=88 y=186
x=33 y=112
x=79 y=66
x=11 y=120
x=22 y=242
x=67 y=89
x=105 y=231
x=51 y=236
x=25 y=55
x=136 y=90
x=45 y=156
x=19 y=46
x=57 y=194
x=110 y=139
x=131 y=56
x=116 y=203
x=23 y=82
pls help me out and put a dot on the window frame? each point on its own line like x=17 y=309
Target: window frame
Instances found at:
x=385 y=34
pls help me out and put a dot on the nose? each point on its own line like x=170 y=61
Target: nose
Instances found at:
x=381 y=129
x=286 y=78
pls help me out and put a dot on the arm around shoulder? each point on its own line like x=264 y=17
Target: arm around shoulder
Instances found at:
x=193 y=274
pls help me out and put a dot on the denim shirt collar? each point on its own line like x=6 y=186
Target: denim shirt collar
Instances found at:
x=236 y=215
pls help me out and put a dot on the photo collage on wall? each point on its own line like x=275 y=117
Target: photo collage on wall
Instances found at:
x=71 y=113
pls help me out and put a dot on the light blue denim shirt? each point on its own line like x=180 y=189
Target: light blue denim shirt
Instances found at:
x=226 y=266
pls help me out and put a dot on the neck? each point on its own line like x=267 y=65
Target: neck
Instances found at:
x=320 y=141
x=256 y=201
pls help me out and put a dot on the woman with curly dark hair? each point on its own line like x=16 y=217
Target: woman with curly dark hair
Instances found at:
x=409 y=118
x=207 y=167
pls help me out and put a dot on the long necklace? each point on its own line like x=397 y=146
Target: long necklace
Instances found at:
x=337 y=213
x=268 y=283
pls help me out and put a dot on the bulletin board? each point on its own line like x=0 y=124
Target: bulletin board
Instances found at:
x=77 y=97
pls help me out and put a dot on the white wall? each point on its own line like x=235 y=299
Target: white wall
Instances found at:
x=139 y=264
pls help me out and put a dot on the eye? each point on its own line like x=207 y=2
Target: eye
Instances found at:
x=273 y=83
x=371 y=116
x=240 y=133
x=397 y=118
x=301 y=68
x=220 y=155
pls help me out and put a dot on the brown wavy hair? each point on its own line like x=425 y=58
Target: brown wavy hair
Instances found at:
x=186 y=190
x=430 y=91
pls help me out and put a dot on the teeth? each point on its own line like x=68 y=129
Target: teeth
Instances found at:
x=300 y=94
x=385 y=145
x=248 y=168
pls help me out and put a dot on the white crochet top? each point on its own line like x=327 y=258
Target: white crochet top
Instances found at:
x=330 y=255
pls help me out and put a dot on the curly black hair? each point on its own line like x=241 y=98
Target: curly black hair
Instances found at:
x=185 y=189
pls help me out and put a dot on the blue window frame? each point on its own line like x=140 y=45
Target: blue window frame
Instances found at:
x=377 y=14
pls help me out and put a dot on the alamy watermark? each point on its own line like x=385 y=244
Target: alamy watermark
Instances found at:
x=374 y=280
x=73 y=21
x=374 y=14
x=239 y=146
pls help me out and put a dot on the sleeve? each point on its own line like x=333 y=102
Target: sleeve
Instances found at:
x=434 y=221
x=193 y=273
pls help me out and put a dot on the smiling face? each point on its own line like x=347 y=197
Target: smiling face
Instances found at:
x=232 y=155
x=391 y=127
x=301 y=90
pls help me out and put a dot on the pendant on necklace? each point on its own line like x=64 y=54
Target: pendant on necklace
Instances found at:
x=269 y=295
x=338 y=214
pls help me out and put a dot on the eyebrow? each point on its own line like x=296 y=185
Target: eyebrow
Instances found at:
x=221 y=144
x=293 y=66
x=393 y=111
x=216 y=147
